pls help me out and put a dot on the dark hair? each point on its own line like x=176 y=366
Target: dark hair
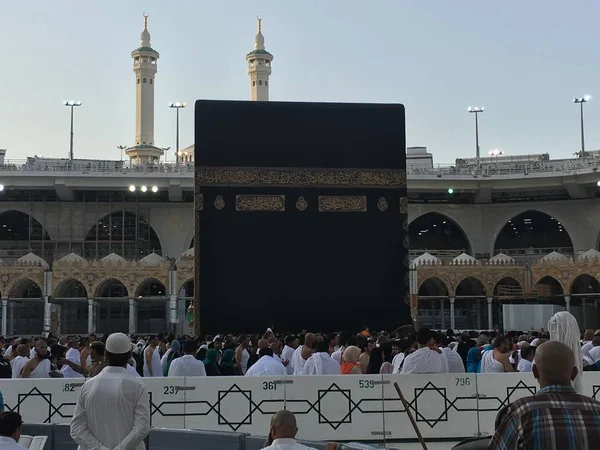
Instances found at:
x=500 y=340
x=289 y=339
x=189 y=346
x=424 y=335
x=98 y=347
x=527 y=351
x=441 y=339
x=201 y=353
x=265 y=351
x=117 y=359
x=352 y=340
x=322 y=346
x=375 y=361
x=9 y=423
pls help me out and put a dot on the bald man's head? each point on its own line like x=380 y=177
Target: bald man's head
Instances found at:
x=263 y=343
x=554 y=364
x=283 y=425
x=22 y=350
x=309 y=339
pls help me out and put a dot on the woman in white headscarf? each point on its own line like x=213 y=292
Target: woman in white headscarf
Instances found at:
x=563 y=327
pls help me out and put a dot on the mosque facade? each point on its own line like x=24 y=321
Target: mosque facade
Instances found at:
x=100 y=246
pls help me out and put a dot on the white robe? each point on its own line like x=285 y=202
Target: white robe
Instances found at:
x=286 y=355
x=17 y=364
x=524 y=365
x=74 y=356
x=157 y=371
x=455 y=362
x=42 y=369
x=424 y=360
x=298 y=361
x=585 y=350
x=337 y=355
x=187 y=366
x=266 y=366
x=397 y=362
x=321 y=364
x=489 y=363
x=594 y=354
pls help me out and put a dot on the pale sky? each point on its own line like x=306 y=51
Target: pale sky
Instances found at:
x=524 y=61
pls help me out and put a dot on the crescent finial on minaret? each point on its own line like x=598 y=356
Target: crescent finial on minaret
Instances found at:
x=145 y=21
x=259 y=19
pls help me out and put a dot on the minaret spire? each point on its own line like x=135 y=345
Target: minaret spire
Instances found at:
x=259 y=66
x=145 y=60
x=145 y=37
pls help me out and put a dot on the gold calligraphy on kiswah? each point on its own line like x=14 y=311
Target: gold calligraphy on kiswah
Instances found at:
x=300 y=177
x=260 y=203
x=342 y=203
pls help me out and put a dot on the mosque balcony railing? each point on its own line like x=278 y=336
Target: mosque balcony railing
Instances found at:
x=442 y=254
x=186 y=169
x=535 y=252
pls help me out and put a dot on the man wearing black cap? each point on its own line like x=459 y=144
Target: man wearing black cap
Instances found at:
x=113 y=408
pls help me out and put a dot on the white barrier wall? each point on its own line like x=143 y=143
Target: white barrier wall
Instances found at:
x=327 y=407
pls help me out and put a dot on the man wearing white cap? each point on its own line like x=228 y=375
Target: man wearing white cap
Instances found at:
x=113 y=408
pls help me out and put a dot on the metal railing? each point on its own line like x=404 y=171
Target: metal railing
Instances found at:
x=501 y=168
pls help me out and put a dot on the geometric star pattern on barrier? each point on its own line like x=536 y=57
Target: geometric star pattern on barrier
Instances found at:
x=501 y=403
x=458 y=404
x=47 y=397
x=234 y=390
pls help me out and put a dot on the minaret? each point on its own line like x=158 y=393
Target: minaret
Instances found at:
x=145 y=59
x=259 y=67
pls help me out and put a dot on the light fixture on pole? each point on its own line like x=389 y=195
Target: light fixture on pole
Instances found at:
x=166 y=149
x=71 y=104
x=476 y=110
x=121 y=147
x=177 y=106
x=581 y=101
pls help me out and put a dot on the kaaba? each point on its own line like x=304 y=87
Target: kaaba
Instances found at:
x=301 y=217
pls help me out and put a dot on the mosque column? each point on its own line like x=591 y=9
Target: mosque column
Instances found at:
x=47 y=305
x=95 y=316
x=58 y=311
x=490 y=319
x=478 y=313
x=568 y=303
x=90 y=315
x=583 y=313
x=132 y=316
x=173 y=300
x=11 y=318
x=443 y=313
x=4 y=318
x=452 y=320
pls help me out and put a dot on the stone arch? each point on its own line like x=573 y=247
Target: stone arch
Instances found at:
x=22 y=232
x=516 y=232
x=151 y=287
x=471 y=286
x=584 y=284
x=433 y=286
x=25 y=288
x=548 y=286
x=186 y=289
x=126 y=233
x=70 y=288
x=507 y=286
x=444 y=232
x=111 y=287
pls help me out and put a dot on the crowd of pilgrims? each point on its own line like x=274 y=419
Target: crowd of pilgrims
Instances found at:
x=423 y=351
